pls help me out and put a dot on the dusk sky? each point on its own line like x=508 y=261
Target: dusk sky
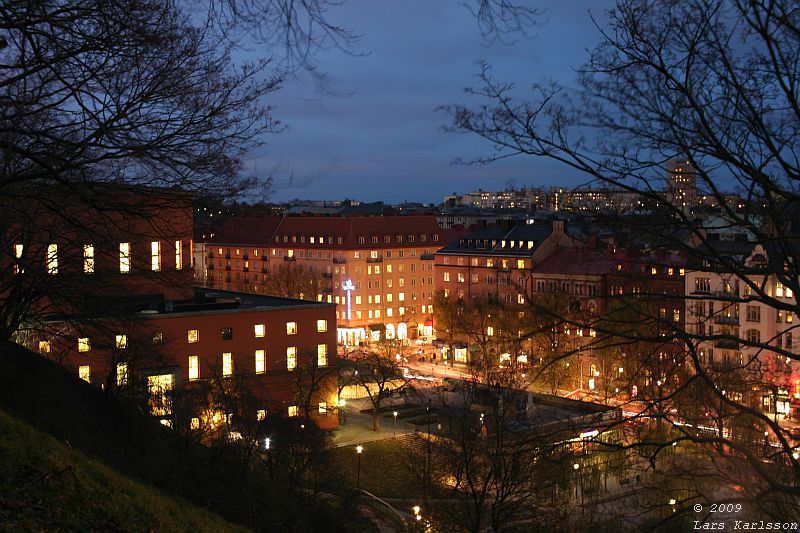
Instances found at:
x=385 y=142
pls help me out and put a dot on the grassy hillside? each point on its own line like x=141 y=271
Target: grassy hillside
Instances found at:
x=83 y=418
x=44 y=485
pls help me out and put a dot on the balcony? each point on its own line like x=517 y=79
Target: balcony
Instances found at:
x=227 y=255
x=427 y=257
x=264 y=258
x=228 y=267
x=228 y=279
x=339 y=260
x=263 y=270
x=246 y=269
x=327 y=275
x=288 y=258
x=726 y=295
x=729 y=320
x=245 y=257
x=375 y=260
x=728 y=344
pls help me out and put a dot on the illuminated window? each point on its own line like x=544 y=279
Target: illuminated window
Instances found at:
x=195 y=423
x=447 y=276
x=291 y=328
x=178 y=255
x=160 y=387
x=194 y=367
x=322 y=326
x=122 y=374
x=261 y=414
x=155 y=256
x=520 y=263
x=52 y=259
x=88 y=258
x=193 y=335
x=124 y=257
x=291 y=358
x=292 y=410
x=44 y=346
x=261 y=362
x=323 y=408
x=121 y=342
x=676 y=315
x=84 y=344
x=85 y=373
x=520 y=298
x=227 y=364
x=489 y=331
x=779 y=289
x=18 y=248
x=158 y=337
x=322 y=355
x=259 y=330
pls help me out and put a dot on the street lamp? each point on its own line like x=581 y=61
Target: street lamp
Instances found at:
x=394 y=423
x=359 y=449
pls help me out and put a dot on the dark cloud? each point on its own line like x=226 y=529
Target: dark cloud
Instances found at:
x=384 y=140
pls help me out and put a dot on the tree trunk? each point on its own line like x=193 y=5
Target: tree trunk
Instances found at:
x=376 y=420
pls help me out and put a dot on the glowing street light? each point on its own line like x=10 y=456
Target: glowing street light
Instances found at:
x=359 y=449
x=395 y=418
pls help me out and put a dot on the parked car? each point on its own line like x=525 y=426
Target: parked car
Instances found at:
x=422 y=340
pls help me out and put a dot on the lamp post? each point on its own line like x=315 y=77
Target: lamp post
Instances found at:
x=359 y=449
x=394 y=422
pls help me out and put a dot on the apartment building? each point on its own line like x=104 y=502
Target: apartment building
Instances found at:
x=378 y=271
x=745 y=324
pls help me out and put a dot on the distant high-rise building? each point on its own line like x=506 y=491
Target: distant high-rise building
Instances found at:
x=681 y=183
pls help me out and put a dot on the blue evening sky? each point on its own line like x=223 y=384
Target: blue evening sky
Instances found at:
x=385 y=141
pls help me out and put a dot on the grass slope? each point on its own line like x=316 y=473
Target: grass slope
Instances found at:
x=45 y=486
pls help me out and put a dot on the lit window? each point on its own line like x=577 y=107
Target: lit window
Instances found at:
x=84 y=344
x=322 y=326
x=122 y=374
x=85 y=373
x=261 y=363
x=653 y=271
x=520 y=263
x=18 y=254
x=292 y=410
x=323 y=408
x=160 y=387
x=489 y=331
x=178 y=255
x=44 y=346
x=155 y=256
x=52 y=259
x=261 y=414
x=158 y=337
x=193 y=335
x=676 y=315
x=124 y=257
x=121 y=342
x=194 y=367
x=259 y=330
x=291 y=328
x=520 y=298
x=195 y=423
x=447 y=276
x=88 y=258
x=291 y=358
x=227 y=364
x=322 y=355
x=779 y=289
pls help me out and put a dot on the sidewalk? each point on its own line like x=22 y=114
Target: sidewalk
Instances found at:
x=356 y=427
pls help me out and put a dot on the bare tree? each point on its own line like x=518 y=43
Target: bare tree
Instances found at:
x=379 y=373
x=716 y=85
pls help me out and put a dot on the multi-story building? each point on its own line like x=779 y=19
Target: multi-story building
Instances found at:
x=377 y=270
x=275 y=351
x=740 y=332
x=499 y=261
x=681 y=183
